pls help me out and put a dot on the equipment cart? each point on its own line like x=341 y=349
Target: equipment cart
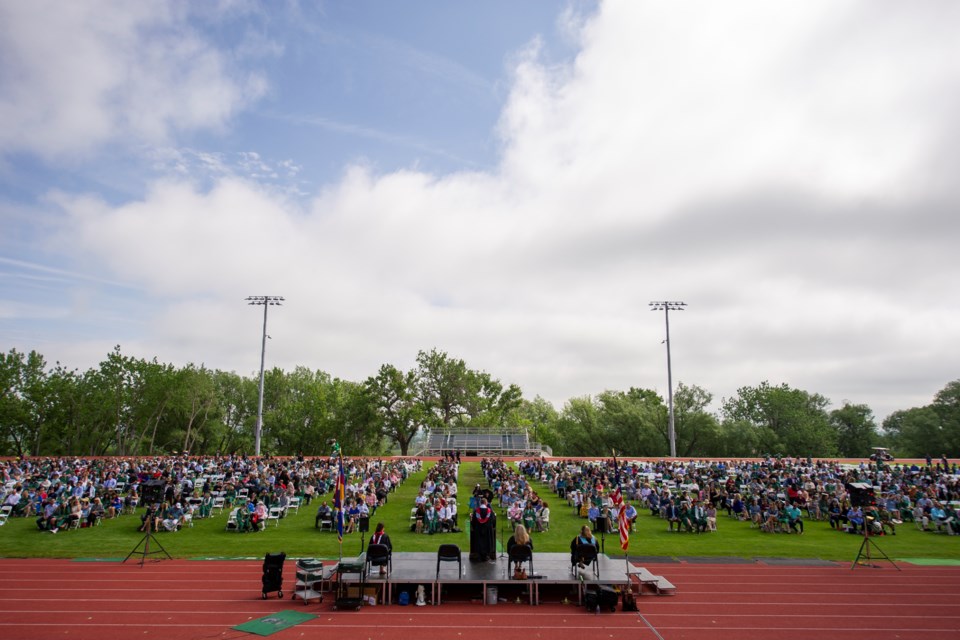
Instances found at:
x=351 y=566
x=313 y=579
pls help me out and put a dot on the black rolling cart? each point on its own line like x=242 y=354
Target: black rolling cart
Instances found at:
x=347 y=567
x=272 y=579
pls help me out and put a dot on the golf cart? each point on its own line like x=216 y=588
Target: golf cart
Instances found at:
x=881 y=454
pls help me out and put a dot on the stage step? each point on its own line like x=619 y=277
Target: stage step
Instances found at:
x=658 y=584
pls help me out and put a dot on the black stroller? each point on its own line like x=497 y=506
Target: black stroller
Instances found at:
x=273 y=573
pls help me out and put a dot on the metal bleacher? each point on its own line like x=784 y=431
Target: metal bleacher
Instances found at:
x=473 y=442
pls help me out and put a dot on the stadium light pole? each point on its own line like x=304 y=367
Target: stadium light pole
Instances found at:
x=266 y=302
x=667 y=306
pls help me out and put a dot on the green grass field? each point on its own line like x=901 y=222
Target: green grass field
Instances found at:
x=297 y=536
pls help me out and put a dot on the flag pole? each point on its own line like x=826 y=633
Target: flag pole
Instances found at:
x=341 y=492
x=621 y=514
x=338 y=496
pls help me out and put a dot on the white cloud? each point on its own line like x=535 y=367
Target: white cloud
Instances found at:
x=81 y=74
x=765 y=162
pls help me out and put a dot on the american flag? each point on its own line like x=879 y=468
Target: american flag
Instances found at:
x=617 y=498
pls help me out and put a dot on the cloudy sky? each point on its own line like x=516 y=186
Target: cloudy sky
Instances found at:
x=511 y=183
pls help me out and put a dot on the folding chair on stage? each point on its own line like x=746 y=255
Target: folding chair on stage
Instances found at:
x=519 y=555
x=379 y=555
x=586 y=554
x=450 y=553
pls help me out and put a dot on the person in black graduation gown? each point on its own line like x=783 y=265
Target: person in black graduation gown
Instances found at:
x=483 y=533
x=380 y=537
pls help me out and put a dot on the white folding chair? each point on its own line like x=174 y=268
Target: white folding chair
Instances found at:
x=232 y=521
x=275 y=513
x=294 y=504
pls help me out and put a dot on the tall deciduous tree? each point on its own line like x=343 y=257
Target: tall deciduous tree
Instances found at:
x=914 y=432
x=453 y=395
x=697 y=430
x=194 y=405
x=786 y=421
x=856 y=430
x=441 y=385
x=25 y=403
x=538 y=418
x=629 y=422
x=237 y=411
x=931 y=430
x=394 y=394
x=578 y=429
x=947 y=406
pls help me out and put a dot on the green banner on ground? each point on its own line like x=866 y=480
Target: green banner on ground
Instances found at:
x=274 y=622
x=932 y=562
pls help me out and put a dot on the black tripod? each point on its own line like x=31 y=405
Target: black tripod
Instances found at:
x=145 y=541
x=864 y=556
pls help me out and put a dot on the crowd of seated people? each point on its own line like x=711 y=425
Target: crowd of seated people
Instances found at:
x=591 y=500
x=773 y=494
x=435 y=507
x=512 y=489
x=368 y=485
x=79 y=493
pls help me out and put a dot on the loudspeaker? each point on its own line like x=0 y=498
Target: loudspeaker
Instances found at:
x=151 y=491
x=600 y=525
x=363 y=525
x=861 y=494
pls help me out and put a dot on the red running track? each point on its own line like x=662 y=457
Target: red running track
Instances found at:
x=180 y=600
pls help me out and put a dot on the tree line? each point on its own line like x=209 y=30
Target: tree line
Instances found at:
x=132 y=406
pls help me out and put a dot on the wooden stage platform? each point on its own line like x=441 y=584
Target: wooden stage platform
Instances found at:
x=552 y=573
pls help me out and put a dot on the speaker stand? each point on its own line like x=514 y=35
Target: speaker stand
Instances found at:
x=145 y=542
x=864 y=556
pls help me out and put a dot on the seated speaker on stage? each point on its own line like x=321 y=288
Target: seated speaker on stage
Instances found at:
x=585 y=537
x=520 y=538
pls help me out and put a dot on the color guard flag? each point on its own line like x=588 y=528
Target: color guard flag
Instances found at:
x=338 y=499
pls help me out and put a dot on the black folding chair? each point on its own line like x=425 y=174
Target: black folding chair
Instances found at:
x=520 y=554
x=379 y=555
x=586 y=554
x=450 y=553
